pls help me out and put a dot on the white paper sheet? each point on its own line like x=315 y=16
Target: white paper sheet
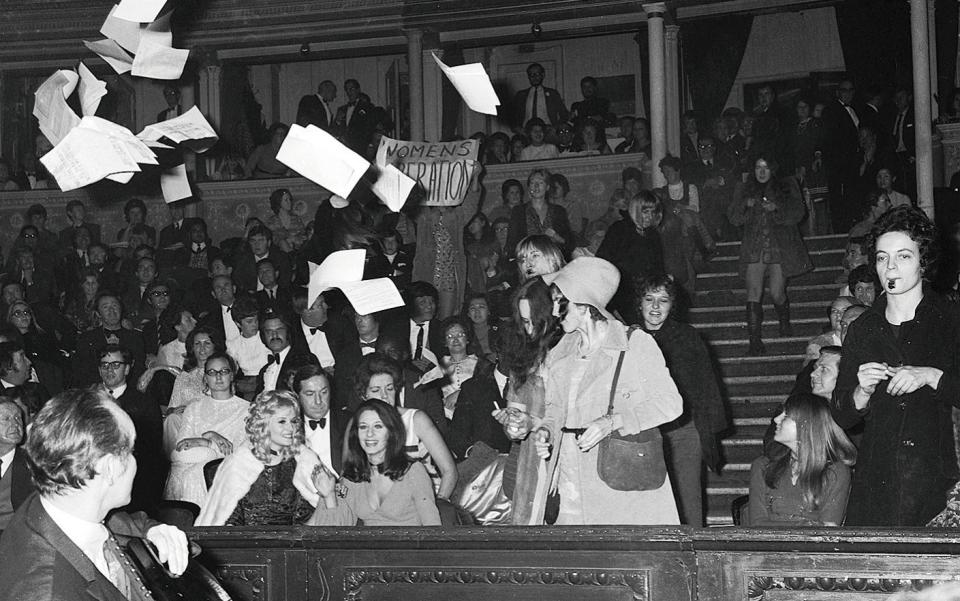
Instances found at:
x=85 y=156
x=393 y=187
x=190 y=129
x=139 y=11
x=91 y=90
x=127 y=143
x=123 y=32
x=321 y=158
x=50 y=107
x=473 y=84
x=370 y=296
x=113 y=54
x=157 y=61
x=174 y=184
x=340 y=266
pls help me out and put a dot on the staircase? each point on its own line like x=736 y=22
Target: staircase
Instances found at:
x=755 y=387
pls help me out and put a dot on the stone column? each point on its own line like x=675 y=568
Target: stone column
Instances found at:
x=432 y=88
x=672 y=79
x=932 y=58
x=209 y=80
x=658 y=99
x=921 y=104
x=415 y=82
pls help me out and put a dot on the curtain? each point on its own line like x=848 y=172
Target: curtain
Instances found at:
x=712 y=52
x=875 y=36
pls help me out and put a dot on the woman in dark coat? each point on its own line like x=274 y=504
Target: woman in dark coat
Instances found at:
x=634 y=247
x=769 y=211
x=540 y=216
x=693 y=438
x=900 y=375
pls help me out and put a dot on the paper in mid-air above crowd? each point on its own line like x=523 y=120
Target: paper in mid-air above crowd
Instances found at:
x=137 y=27
x=344 y=270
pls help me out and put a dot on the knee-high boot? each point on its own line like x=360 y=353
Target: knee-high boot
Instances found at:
x=755 y=327
x=783 y=316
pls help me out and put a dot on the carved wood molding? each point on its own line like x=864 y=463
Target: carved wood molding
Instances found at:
x=760 y=585
x=245 y=582
x=636 y=581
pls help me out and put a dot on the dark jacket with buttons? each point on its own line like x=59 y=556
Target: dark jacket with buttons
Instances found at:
x=907 y=460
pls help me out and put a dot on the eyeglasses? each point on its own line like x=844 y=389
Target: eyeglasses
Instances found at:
x=112 y=364
x=456 y=336
x=22 y=313
x=29 y=235
x=705 y=146
x=213 y=373
x=160 y=293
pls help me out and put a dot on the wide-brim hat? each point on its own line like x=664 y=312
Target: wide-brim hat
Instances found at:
x=587 y=281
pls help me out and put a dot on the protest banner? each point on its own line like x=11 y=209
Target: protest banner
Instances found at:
x=443 y=169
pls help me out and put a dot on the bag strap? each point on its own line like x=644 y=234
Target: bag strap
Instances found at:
x=616 y=373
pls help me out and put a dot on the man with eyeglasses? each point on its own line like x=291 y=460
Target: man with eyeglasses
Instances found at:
x=114 y=367
x=91 y=342
x=714 y=179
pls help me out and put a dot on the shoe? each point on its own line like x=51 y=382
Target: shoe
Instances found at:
x=783 y=316
x=754 y=329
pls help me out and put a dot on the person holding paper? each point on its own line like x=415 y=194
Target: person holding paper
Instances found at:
x=262 y=162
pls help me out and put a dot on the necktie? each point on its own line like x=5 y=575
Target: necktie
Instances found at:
x=227 y=309
x=313 y=423
x=115 y=566
x=274 y=358
x=199 y=248
x=270 y=294
x=534 y=113
x=418 y=353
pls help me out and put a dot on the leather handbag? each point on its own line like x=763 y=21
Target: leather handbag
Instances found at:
x=634 y=461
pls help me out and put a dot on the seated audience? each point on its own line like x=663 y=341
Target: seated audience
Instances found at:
x=483 y=335
x=538 y=149
x=267 y=480
x=287 y=227
x=863 y=284
x=135 y=214
x=591 y=140
x=376 y=464
x=809 y=485
x=247 y=349
x=211 y=429
x=285 y=357
x=540 y=216
x=323 y=428
x=832 y=336
x=110 y=331
x=175 y=326
x=877 y=204
x=201 y=343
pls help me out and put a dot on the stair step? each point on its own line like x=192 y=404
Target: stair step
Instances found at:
x=813 y=243
x=822 y=257
x=737 y=295
x=731 y=279
x=806 y=328
x=767 y=364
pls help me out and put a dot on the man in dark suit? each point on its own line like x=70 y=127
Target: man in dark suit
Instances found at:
x=171 y=94
x=316 y=109
x=77 y=216
x=59 y=544
x=473 y=420
x=592 y=106
x=842 y=144
x=114 y=365
x=355 y=120
x=319 y=331
x=260 y=246
x=420 y=328
x=904 y=142
x=178 y=230
x=400 y=261
x=15 y=484
x=323 y=429
x=428 y=399
x=136 y=297
x=714 y=177
x=359 y=339
x=284 y=357
x=271 y=295
x=85 y=366
x=538 y=101
x=193 y=261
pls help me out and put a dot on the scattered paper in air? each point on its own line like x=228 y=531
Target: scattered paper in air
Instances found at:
x=321 y=158
x=139 y=11
x=113 y=54
x=473 y=84
x=158 y=32
x=190 y=129
x=174 y=183
x=340 y=266
x=91 y=91
x=156 y=61
x=50 y=107
x=370 y=296
x=123 y=138
x=86 y=156
x=123 y=32
x=393 y=187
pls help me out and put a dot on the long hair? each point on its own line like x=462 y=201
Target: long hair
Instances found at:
x=263 y=407
x=356 y=465
x=820 y=444
x=372 y=365
x=219 y=346
x=522 y=353
x=547 y=247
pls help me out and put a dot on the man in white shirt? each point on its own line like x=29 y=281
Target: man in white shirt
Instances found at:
x=322 y=432
x=275 y=333
x=81 y=456
x=247 y=349
x=15 y=485
x=313 y=325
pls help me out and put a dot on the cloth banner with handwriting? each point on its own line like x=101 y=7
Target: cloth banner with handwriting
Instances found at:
x=444 y=169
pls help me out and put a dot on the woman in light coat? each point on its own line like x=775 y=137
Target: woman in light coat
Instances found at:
x=580 y=373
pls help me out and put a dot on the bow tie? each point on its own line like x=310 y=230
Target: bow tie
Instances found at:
x=322 y=328
x=227 y=309
x=274 y=358
x=364 y=345
x=199 y=248
x=313 y=423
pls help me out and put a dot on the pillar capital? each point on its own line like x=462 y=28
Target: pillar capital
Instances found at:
x=672 y=32
x=654 y=9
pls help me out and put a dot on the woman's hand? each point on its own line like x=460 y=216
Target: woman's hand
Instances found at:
x=542 y=443
x=516 y=423
x=908 y=378
x=222 y=444
x=324 y=481
x=175 y=410
x=193 y=443
x=870 y=374
x=598 y=429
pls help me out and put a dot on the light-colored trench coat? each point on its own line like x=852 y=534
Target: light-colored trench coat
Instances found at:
x=646 y=397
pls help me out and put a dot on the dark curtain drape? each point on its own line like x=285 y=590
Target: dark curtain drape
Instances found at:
x=875 y=38
x=712 y=50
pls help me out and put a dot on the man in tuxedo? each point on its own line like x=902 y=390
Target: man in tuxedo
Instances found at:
x=359 y=339
x=171 y=94
x=315 y=109
x=323 y=429
x=284 y=358
x=538 y=101
x=271 y=295
x=60 y=544
x=841 y=148
x=355 y=120
x=77 y=216
x=904 y=142
x=221 y=319
x=85 y=366
x=114 y=365
x=319 y=332
x=177 y=231
x=259 y=247
x=473 y=420
x=15 y=484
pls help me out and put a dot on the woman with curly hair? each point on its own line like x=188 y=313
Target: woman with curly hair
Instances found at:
x=266 y=482
x=540 y=216
x=900 y=376
x=287 y=227
x=809 y=485
x=380 y=485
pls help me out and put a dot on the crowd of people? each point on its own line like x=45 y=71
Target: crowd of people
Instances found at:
x=539 y=337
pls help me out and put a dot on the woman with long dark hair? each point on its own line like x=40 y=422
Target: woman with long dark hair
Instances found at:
x=380 y=485
x=809 y=485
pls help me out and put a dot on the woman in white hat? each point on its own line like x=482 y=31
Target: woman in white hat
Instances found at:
x=580 y=375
